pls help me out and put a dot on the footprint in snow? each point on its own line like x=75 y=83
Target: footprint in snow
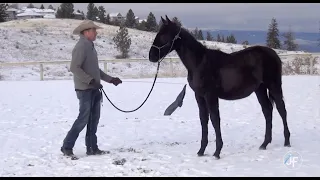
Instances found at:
x=119 y=162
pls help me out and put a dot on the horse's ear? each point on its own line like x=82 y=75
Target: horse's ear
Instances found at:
x=169 y=21
x=163 y=21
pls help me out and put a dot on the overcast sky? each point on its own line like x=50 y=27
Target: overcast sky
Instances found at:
x=240 y=16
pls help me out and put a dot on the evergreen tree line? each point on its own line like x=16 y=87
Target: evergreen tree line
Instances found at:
x=99 y=14
x=66 y=10
x=273 y=39
x=221 y=38
x=30 y=5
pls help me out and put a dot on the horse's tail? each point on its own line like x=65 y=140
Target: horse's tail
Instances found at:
x=274 y=65
x=277 y=68
x=271 y=98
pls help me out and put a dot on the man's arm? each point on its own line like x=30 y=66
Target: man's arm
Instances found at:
x=78 y=57
x=105 y=76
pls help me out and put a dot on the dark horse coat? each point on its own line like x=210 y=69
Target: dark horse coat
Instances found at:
x=236 y=76
x=213 y=74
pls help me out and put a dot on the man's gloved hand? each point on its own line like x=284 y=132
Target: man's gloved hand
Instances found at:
x=116 y=81
x=96 y=84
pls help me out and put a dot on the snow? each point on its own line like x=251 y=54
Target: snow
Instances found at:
x=29 y=13
x=49 y=40
x=51 y=16
x=36 y=115
x=40 y=10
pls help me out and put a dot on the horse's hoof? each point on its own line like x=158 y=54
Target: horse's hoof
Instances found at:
x=200 y=154
x=287 y=145
x=262 y=148
x=216 y=156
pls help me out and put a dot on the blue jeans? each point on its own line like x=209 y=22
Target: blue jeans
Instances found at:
x=89 y=115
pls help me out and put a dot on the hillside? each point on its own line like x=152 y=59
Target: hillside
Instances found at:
x=52 y=40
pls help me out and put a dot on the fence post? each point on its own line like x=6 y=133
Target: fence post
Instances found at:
x=141 y=69
x=311 y=65
x=41 y=72
x=171 y=67
x=105 y=66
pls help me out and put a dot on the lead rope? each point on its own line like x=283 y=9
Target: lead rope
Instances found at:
x=155 y=78
x=126 y=111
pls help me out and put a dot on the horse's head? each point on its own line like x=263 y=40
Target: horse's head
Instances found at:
x=164 y=41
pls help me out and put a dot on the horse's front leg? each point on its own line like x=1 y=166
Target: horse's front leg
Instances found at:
x=212 y=102
x=204 y=119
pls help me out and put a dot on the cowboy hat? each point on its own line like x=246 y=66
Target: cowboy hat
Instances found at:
x=86 y=24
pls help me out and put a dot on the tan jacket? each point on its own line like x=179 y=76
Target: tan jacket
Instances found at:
x=85 y=66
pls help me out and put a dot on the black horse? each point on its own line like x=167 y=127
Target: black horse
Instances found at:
x=213 y=74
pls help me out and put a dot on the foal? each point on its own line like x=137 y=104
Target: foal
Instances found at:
x=213 y=74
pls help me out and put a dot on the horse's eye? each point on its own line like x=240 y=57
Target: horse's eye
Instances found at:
x=164 y=39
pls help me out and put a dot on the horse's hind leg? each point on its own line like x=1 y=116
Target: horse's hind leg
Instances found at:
x=267 y=108
x=212 y=102
x=276 y=94
x=204 y=119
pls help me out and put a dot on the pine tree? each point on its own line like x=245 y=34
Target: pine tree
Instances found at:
x=289 y=43
x=142 y=26
x=273 y=34
x=90 y=12
x=50 y=7
x=41 y=7
x=59 y=13
x=222 y=38
x=151 y=24
x=177 y=21
x=195 y=33
x=231 y=39
x=101 y=14
x=218 y=38
x=130 y=19
x=122 y=41
x=228 y=39
x=95 y=13
x=209 y=36
x=3 y=14
x=245 y=42
x=30 y=5
x=200 y=35
x=65 y=11
x=108 y=19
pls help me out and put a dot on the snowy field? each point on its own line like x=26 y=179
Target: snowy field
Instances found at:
x=52 y=40
x=35 y=117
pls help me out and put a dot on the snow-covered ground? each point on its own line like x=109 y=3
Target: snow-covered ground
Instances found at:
x=36 y=115
x=52 y=40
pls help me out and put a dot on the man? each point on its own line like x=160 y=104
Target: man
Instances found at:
x=86 y=76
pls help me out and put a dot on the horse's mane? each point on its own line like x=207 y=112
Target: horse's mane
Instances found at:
x=194 y=44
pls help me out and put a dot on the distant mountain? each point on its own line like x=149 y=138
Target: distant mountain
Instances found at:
x=307 y=41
